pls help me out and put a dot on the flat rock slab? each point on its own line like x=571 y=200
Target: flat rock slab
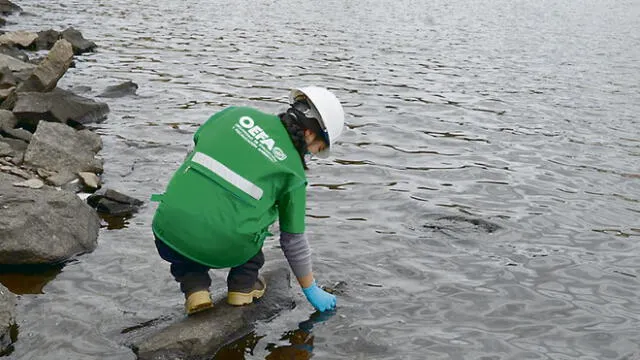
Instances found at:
x=199 y=336
x=58 y=106
x=21 y=38
x=14 y=64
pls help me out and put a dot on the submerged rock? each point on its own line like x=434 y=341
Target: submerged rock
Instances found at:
x=199 y=336
x=125 y=89
x=111 y=202
x=457 y=223
x=43 y=226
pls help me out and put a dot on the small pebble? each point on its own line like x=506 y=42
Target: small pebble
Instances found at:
x=90 y=179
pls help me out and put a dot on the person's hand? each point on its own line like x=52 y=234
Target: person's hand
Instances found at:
x=320 y=299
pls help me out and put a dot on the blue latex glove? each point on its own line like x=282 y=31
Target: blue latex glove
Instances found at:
x=320 y=299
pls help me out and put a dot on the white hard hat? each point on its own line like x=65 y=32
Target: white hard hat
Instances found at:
x=326 y=108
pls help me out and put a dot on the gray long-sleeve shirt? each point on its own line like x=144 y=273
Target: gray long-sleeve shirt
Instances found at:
x=298 y=253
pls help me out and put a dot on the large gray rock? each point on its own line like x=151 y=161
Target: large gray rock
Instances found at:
x=43 y=226
x=7 y=316
x=80 y=44
x=60 y=148
x=45 y=77
x=201 y=335
x=58 y=106
x=20 y=38
x=7 y=7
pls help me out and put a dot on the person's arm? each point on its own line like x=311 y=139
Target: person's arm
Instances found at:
x=298 y=253
x=296 y=248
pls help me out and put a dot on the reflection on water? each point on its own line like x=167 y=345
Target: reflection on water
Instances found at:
x=239 y=348
x=28 y=279
x=112 y=222
x=295 y=344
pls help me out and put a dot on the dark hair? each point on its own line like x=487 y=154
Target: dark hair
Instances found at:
x=296 y=133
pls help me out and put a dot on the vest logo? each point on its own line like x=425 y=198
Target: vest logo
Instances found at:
x=258 y=138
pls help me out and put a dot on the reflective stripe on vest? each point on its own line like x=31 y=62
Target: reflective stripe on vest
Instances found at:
x=229 y=175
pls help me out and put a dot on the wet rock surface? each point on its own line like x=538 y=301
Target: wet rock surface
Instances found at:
x=111 y=202
x=79 y=43
x=127 y=88
x=199 y=336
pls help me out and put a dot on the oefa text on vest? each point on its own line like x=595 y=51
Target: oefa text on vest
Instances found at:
x=256 y=137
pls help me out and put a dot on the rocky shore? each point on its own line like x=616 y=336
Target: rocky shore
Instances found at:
x=48 y=156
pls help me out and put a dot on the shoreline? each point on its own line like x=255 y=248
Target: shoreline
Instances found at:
x=51 y=197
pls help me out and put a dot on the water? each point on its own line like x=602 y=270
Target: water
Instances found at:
x=483 y=203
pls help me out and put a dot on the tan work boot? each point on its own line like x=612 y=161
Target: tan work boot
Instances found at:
x=246 y=296
x=197 y=301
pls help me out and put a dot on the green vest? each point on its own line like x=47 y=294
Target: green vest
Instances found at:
x=243 y=174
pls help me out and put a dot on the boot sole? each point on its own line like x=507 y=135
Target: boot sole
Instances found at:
x=239 y=299
x=199 y=308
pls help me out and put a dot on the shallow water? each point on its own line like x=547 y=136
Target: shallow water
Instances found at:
x=483 y=203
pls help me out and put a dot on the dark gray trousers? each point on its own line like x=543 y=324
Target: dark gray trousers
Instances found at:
x=194 y=276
